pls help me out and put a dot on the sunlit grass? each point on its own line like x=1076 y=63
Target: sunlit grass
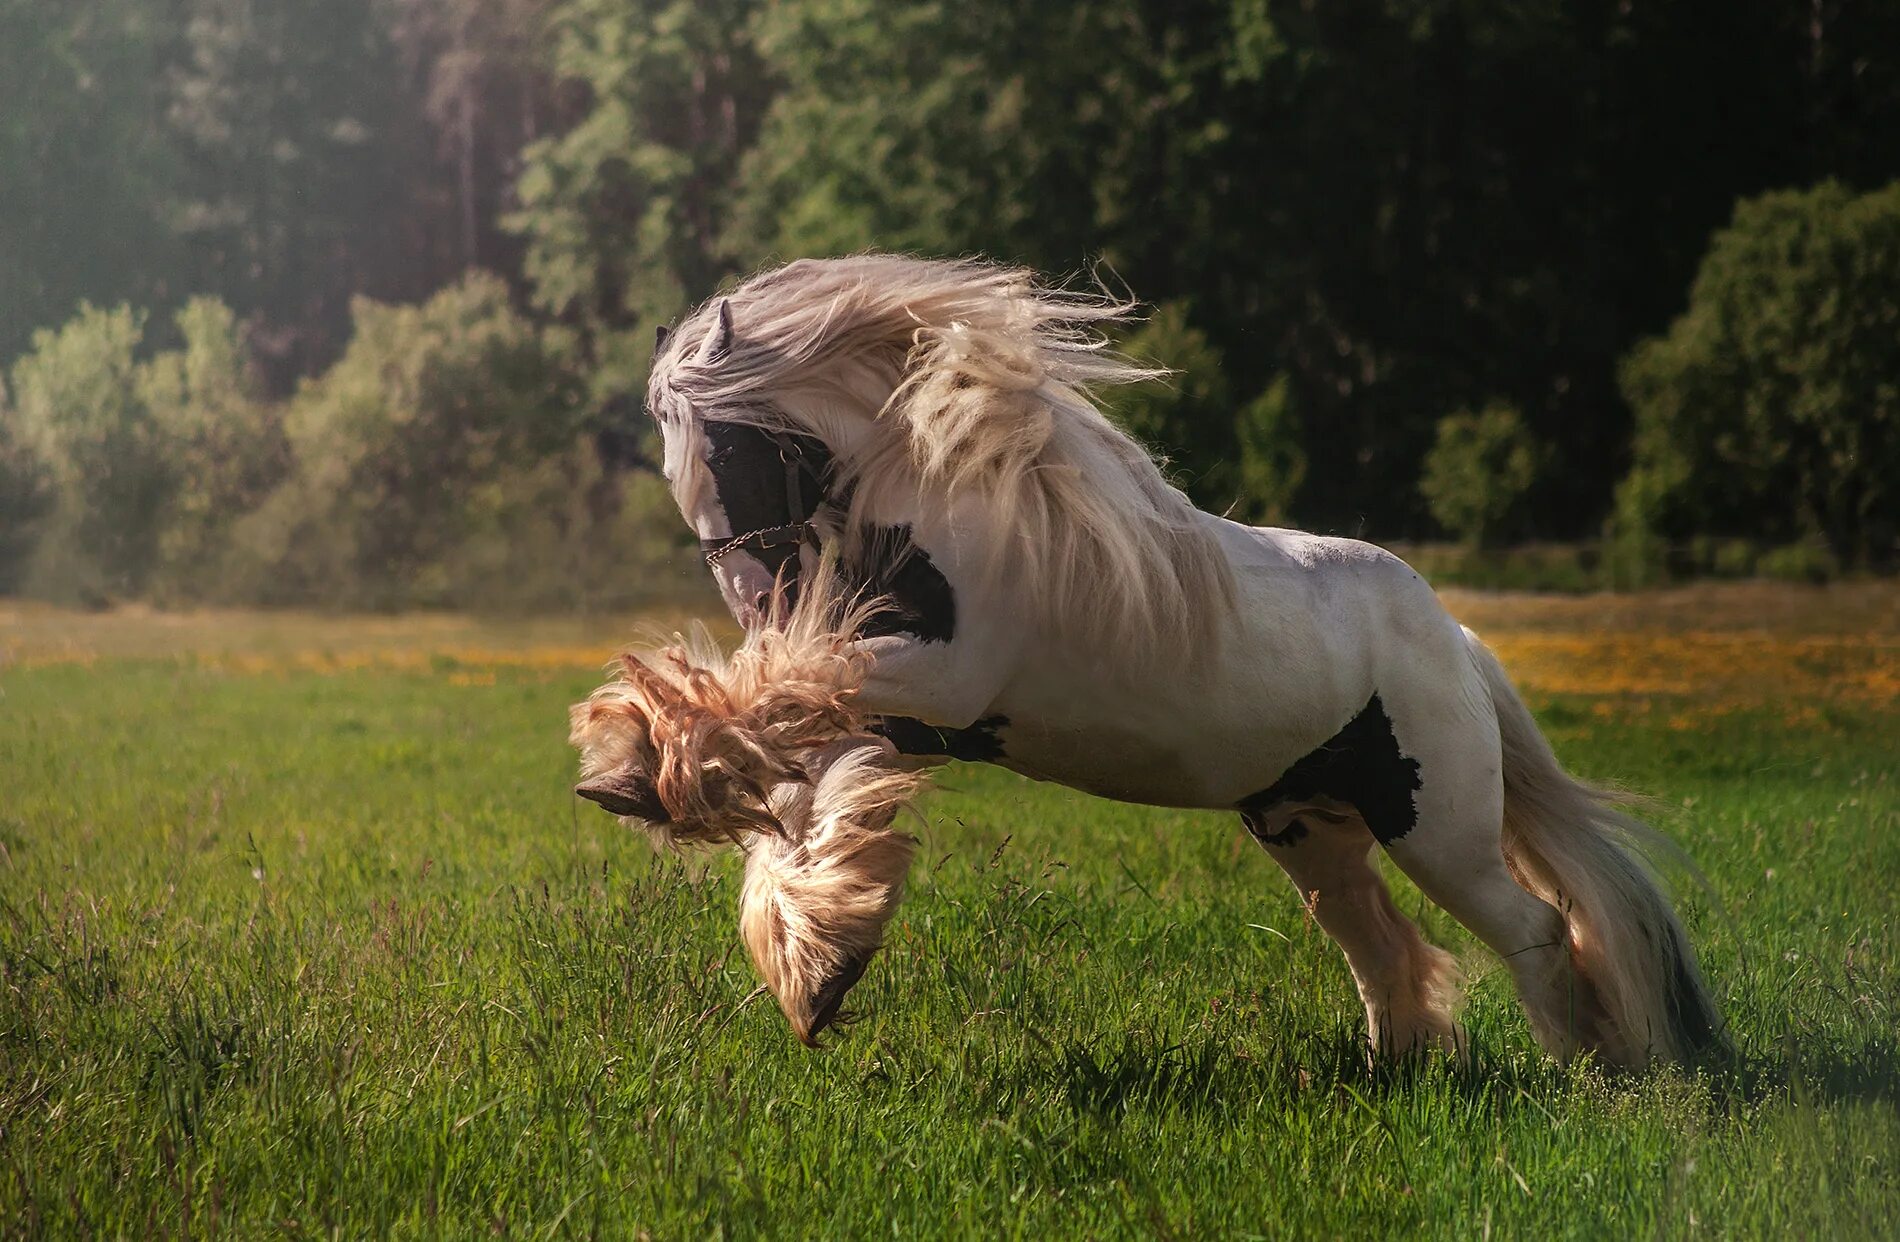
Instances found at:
x=303 y=933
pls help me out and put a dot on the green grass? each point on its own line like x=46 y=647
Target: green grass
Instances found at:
x=339 y=955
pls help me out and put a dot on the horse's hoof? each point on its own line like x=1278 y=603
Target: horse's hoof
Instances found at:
x=623 y=793
x=826 y=1002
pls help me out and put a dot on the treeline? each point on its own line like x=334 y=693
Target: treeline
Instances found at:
x=282 y=156
x=1425 y=268
x=440 y=461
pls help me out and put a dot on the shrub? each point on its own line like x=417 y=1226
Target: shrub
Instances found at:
x=1478 y=471
x=224 y=444
x=1807 y=560
x=566 y=533
x=78 y=408
x=1771 y=408
x=445 y=461
x=427 y=404
x=26 y=496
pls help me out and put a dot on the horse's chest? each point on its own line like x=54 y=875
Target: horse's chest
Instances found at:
x=922 y=603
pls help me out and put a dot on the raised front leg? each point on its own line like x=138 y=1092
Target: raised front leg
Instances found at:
x=817 y=896
x=953 y=684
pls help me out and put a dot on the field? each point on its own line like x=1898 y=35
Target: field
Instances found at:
x=301 y=933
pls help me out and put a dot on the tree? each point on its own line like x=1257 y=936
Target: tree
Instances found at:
x=77 y=398
x=86 y=161
x=298 y=155
x=625 y=214
x=1478 y=470
x=1771 y=408
x=942 y=128
x=474 y=71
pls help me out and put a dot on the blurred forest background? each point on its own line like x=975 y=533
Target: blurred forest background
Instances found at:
x=350 y=303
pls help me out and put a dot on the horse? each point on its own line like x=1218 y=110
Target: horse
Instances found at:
x=1057 y=607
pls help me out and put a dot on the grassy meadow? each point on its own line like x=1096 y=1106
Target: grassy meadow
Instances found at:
x=302 y=934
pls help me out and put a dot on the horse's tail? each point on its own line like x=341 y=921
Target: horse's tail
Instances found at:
x=1572 y=845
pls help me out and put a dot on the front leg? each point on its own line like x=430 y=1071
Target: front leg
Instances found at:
x=817 y=896
x=953 y=684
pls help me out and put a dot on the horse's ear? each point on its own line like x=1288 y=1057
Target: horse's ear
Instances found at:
x=718 y=342
x=660 y=334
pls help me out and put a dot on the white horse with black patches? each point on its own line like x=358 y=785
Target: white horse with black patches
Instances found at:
x=1060 y=609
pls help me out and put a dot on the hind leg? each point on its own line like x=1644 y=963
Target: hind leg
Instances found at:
x=1454 y=853
x=1408 y=986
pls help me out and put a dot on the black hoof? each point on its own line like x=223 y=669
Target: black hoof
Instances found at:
x=826 y=1004
x=623 y=794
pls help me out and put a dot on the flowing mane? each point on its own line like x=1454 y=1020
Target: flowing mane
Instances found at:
x=967 y=379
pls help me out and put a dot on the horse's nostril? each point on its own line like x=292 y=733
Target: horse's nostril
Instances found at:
x=761 y=601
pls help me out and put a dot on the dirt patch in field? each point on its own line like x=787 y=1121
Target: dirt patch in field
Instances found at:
x=1722 y=645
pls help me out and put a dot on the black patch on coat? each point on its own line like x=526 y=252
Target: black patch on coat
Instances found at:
x=1360 y=766
x=977 y=744
x=889 y=564
x=768 y=480
x=765 y=478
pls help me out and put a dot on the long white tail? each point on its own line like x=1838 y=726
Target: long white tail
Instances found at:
x=1571 y=844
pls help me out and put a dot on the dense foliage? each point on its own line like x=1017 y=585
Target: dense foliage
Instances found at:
x=1354 y=220
x=441 y=461
x=1773 y=404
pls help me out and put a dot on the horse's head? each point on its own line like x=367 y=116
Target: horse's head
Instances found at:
x=751 y=481
x=952 y=396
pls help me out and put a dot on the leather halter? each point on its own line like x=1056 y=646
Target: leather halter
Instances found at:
x=787 y=535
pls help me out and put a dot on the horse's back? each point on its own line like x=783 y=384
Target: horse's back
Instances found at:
x=1347 y=588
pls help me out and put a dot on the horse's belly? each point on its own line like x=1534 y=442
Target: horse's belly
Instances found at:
x=1313 y=637
x=1105 y=762
x=1189 y=755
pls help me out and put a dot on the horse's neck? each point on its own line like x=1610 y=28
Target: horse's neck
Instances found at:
x=844 y=413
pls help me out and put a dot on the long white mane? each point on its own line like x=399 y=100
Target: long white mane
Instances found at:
x=967 y=378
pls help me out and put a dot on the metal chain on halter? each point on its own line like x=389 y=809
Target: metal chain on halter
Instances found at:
x=763 y=537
